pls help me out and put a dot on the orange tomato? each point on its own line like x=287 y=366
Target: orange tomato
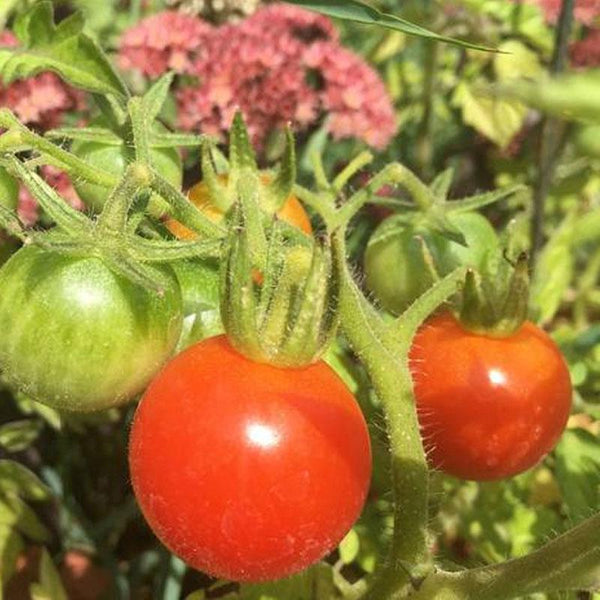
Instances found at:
x=291 y=212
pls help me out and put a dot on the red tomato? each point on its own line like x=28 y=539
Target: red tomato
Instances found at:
x=247 y=471
x=488 y=407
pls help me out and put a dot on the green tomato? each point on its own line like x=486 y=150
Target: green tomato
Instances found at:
x=115 y=159
x=395 y=265
x=199 y=282
x=9 y=190
x=76 y=336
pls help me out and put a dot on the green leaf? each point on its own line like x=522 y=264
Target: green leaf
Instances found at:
x=156 y=96
x=15 y=513
x=495 y=118
x=18 y=435
x=553 y=275
x=11 y=545
x=50 y=586
x=351 y=10
x=349 y=547
x=517 y=61
x=578 y=472
x=17 y=479
x=86 y=134
x=64 y=49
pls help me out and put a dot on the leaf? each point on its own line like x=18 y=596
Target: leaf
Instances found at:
x=495 y=118
x=578 y=472
x=17 y=479
x=17 y=514
x=156 y=96
x=11 y=545
x=516 y=61
x=352 y=10
x=50 y=586
x=18 y=435
x=64 y=49
x=86 y=134
x=349 y=547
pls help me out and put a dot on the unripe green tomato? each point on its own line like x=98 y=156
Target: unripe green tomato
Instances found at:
x=76 y=335
x=115 y=159
x=9 y=190
x=587 y=140
x=395 y=265
x=199 y=282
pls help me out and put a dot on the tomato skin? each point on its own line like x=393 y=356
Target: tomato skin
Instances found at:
x=247 y=471
x=78 y=337
x=115 y=159
x=291 y=212
x=395 y=269
x=489 y=408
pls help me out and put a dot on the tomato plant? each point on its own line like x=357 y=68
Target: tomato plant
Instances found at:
x=77 y=336
x=114 y=159
x=488 y=407
x=248 y=471
x=395 y=261
x=9 y=190
x=291 y=211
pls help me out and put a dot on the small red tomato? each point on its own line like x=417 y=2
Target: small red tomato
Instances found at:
x=247 y=471
x=488 y=407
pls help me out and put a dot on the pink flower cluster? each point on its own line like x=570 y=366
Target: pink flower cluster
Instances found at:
x=586 y=11
x=586 y=52
x=281 y=65
x=40 y=101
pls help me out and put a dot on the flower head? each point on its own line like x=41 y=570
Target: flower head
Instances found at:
x=281 y=65
x=165 y=41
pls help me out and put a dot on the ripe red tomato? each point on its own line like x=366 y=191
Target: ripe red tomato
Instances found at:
x=247 y=471
x=488 y=407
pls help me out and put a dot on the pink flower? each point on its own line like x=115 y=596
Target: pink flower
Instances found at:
x=586 y=11
x=165 y=41
x=40 y=101
x=586 y=52
x=281 y=65
x=28 y=208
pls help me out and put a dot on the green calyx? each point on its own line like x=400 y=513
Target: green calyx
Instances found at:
x=222 y=176
x=496 y=305
x=111 y=236
x=284 y=313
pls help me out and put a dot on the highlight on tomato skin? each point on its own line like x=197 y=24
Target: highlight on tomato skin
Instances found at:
x=247 y=471
x=489 y=408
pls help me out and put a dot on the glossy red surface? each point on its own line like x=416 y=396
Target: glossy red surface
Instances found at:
x=489 y=408
x=247 y=471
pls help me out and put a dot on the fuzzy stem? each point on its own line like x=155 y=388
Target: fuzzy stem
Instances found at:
x=569 y=562
x=392 y=382
x=550 y=133
x=75 y=166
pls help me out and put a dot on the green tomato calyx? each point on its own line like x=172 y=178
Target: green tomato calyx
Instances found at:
x=285 y=312
x=497 y=308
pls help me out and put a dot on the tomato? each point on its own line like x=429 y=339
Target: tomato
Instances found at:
x=199 y=282
x=76 y=336
x=291 y=212
x=9 y=190
x=248 y=471
x=488 y=407
x=395 y=267
x=115 y=159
